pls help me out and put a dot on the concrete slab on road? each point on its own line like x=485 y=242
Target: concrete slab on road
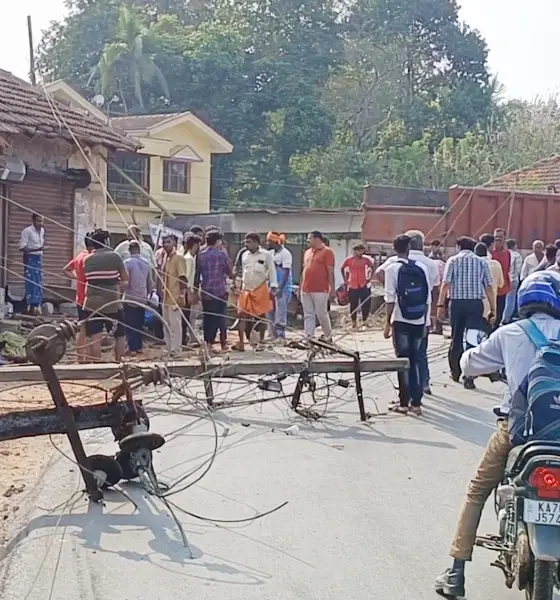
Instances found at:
x=370 y=515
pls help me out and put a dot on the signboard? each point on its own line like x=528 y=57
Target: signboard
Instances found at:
x=157 y=230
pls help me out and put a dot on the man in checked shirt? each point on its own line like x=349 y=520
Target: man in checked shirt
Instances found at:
x=467 y=280
x=213 y=268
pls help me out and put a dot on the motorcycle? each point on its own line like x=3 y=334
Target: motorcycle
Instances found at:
x=527 y=505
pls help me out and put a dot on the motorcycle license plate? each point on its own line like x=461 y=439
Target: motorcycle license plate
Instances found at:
x=541 y=512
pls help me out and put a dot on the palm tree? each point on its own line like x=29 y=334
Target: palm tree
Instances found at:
x=125 y=56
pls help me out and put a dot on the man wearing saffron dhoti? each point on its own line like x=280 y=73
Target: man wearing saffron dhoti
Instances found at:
x=259 y=284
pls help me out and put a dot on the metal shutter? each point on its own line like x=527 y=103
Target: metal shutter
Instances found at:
x=52 y=197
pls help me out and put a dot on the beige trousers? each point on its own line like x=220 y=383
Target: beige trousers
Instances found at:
x=488 y=475
x=173 y=317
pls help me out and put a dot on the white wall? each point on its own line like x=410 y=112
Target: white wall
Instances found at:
x=342 y=249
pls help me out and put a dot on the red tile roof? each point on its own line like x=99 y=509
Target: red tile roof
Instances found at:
x=542 y=177
x=26 y=110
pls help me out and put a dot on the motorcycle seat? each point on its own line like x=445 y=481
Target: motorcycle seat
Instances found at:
x=519 y=455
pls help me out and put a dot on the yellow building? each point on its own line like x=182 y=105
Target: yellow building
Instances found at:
x=173 y=165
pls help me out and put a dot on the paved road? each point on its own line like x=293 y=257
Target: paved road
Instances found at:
x=370 y=516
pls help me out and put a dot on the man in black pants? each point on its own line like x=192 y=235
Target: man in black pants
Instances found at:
x=357 y=271
x=408 y=333
x=467 y=281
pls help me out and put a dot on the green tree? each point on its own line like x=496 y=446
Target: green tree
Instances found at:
x=443 y=78
x=71 y=48
x=126 y=59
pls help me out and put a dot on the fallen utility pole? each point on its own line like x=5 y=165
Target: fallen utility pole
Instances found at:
x=45 y=347
x=214 y=368
x=47 y=421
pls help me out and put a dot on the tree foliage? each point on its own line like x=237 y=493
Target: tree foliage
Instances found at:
x=317 y=96
x=126 y=59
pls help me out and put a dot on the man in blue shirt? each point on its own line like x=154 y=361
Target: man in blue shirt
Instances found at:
x=138 y=289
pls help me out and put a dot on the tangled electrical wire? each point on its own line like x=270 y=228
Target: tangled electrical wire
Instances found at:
x=190 y=396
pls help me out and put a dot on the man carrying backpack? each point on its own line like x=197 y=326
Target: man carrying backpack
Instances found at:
x=408 y=298
x=513 y=347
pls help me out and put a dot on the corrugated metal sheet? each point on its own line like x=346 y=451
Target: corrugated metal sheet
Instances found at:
x=52 y=197
x=472 y=211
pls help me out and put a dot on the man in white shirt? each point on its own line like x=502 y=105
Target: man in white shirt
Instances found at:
x=408 y=333
x=146 y=251
x=511 y=348
x=416 y=253
x=259 y=282
x=531 y=263
x=516 y=266
x=283 y=261
x=32 y=244
x=191 y=244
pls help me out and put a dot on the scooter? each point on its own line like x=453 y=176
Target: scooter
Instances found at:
x=527 y=505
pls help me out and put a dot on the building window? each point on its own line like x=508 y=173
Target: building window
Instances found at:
x=177 y=176
x=136 y=166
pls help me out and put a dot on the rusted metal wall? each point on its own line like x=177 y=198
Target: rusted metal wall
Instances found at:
x=525 y=216
x=472 y=211
x=50 y=196
x=382 y=224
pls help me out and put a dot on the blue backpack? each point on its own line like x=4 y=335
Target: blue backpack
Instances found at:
x=535 y=410
x=412 y=290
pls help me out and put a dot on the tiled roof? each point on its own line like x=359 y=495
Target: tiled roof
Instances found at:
x=25 y=109
x=141 y=122
x=541 y=177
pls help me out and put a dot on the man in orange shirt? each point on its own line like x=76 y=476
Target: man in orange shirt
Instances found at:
x=75 y=270
x=317 y=285
x=358 y=271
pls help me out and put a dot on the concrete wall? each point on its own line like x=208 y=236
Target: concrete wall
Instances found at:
x=304 y=221
x=90 y=204
x=41 y=154
x=346 y=222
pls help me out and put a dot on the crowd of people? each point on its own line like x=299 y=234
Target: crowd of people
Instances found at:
x=183 y=281
x=475 y=289
x=194 y=278
x=511 y=304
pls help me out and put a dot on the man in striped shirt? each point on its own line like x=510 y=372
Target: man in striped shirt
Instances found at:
x=467 y=280
x=106 y=277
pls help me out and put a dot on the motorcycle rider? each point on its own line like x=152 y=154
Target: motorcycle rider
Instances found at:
x=508 y=347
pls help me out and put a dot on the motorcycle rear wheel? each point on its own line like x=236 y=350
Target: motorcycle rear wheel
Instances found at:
x=541 y=587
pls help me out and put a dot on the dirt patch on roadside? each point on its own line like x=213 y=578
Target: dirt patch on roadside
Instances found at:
x=22 y=461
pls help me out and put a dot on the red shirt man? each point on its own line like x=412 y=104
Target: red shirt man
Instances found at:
x=318 y=267
x=503 y=256
x=357 y=270
x=75 y=269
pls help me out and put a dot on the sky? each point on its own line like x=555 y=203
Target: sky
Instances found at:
x=522 y=38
